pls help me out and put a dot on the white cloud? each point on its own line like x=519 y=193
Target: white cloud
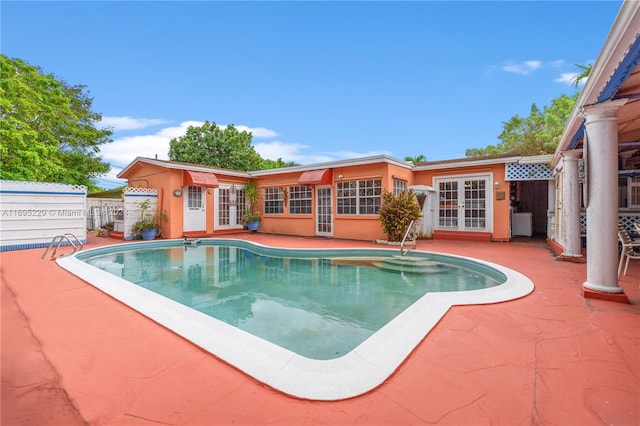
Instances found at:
x=129 y=123
x=257 y=132
x=567 y=78
x=123 y=150
x=523 y=68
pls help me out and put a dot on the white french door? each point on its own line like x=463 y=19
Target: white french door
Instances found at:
x=229 y=207
x=465 y=203
x=194 y=209
x=324 y=211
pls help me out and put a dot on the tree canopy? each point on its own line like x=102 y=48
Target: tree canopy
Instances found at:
x=47 y=128
x=536 y=134
x=420 y=158
x=228 y=148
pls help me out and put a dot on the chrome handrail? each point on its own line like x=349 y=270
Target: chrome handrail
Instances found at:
x=60 y=238
x=406 y=235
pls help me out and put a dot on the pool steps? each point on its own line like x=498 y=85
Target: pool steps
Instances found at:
x=413 y=264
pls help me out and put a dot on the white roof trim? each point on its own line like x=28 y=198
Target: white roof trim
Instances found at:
x=467 y=163
x=333 y=164
x=180 y=166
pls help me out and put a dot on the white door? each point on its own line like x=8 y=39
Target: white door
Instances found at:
x=464 y=204
x=324 y=211
x=194 y=209
x=230 y=205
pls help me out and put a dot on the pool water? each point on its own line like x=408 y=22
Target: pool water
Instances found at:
x=320 y=304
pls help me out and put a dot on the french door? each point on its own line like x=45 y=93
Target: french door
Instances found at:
x=465 y=203
x=230 y=205
x=324 y=211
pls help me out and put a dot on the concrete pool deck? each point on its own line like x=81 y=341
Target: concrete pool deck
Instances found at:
x=72 y=355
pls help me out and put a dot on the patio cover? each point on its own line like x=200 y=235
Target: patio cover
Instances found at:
x=208 y=180
x=315 y=177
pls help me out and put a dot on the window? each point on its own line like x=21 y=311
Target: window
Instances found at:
x=223 y=206
x=194 y=197
x=241 y=203
x=300 y=199
x=273 y=200
x=634 y=191
x=629 y=191
x=399 y=185
x=361 y=197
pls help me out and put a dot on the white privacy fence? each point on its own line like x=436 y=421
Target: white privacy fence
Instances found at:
x=132 y=199
x=33 y=213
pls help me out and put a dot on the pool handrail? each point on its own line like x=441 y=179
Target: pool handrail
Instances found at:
x=59 y=238
x=404 y=240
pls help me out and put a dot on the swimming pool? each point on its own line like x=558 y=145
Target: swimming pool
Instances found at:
x=376 y=342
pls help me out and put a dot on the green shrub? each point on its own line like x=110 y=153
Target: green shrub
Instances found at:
x=397 y=212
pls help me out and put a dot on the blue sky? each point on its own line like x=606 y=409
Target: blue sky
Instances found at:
x=313 y=81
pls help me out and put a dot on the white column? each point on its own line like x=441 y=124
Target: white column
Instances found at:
x=602 y=196
x=551 y=208
x=571 y=205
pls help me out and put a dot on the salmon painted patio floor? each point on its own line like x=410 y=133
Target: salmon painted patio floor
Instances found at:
x=72 y=355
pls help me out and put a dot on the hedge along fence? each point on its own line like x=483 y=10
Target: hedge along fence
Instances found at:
x=132 y=198
x=33 y=213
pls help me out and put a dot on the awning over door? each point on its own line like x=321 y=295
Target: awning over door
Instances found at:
x=208 y=180
x=315 y=177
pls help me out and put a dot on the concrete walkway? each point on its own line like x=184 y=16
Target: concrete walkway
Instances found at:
x=72 y=355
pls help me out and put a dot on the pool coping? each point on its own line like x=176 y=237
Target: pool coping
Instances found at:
x=358 y=372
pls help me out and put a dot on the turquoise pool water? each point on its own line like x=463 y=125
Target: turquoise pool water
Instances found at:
x=320 y=304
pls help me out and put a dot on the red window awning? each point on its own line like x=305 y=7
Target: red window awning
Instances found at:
x=315 y=177
x=208 y=180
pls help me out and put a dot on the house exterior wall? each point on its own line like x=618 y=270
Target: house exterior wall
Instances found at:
x=346 y=226
x=500 y=230
x=358 y=227
x=166 y=181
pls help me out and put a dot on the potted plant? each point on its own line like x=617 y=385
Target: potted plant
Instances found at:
x=104 y=230
x=148 y=224
x=251 y=218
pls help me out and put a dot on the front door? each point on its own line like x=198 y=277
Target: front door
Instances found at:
x=464 y=204
x=324 y=211
x=194 y=209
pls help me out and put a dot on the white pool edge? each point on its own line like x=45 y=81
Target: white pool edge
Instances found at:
x=361 y=370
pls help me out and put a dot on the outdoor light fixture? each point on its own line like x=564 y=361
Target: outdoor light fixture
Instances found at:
x=177 y=193
x=496 y=185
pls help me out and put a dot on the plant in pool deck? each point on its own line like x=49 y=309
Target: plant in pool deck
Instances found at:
x=397 y=212
x=148 y=221
x=251 y=218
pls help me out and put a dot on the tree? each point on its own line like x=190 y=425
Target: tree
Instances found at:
x=536 y=134
x=213 y=146
x=585 y=71
x=417 y=159
x=276 y=164
x=47 y=128
x=397 y=212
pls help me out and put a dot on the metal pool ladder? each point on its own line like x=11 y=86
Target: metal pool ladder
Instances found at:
x=409 y=234
x=70 y=238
